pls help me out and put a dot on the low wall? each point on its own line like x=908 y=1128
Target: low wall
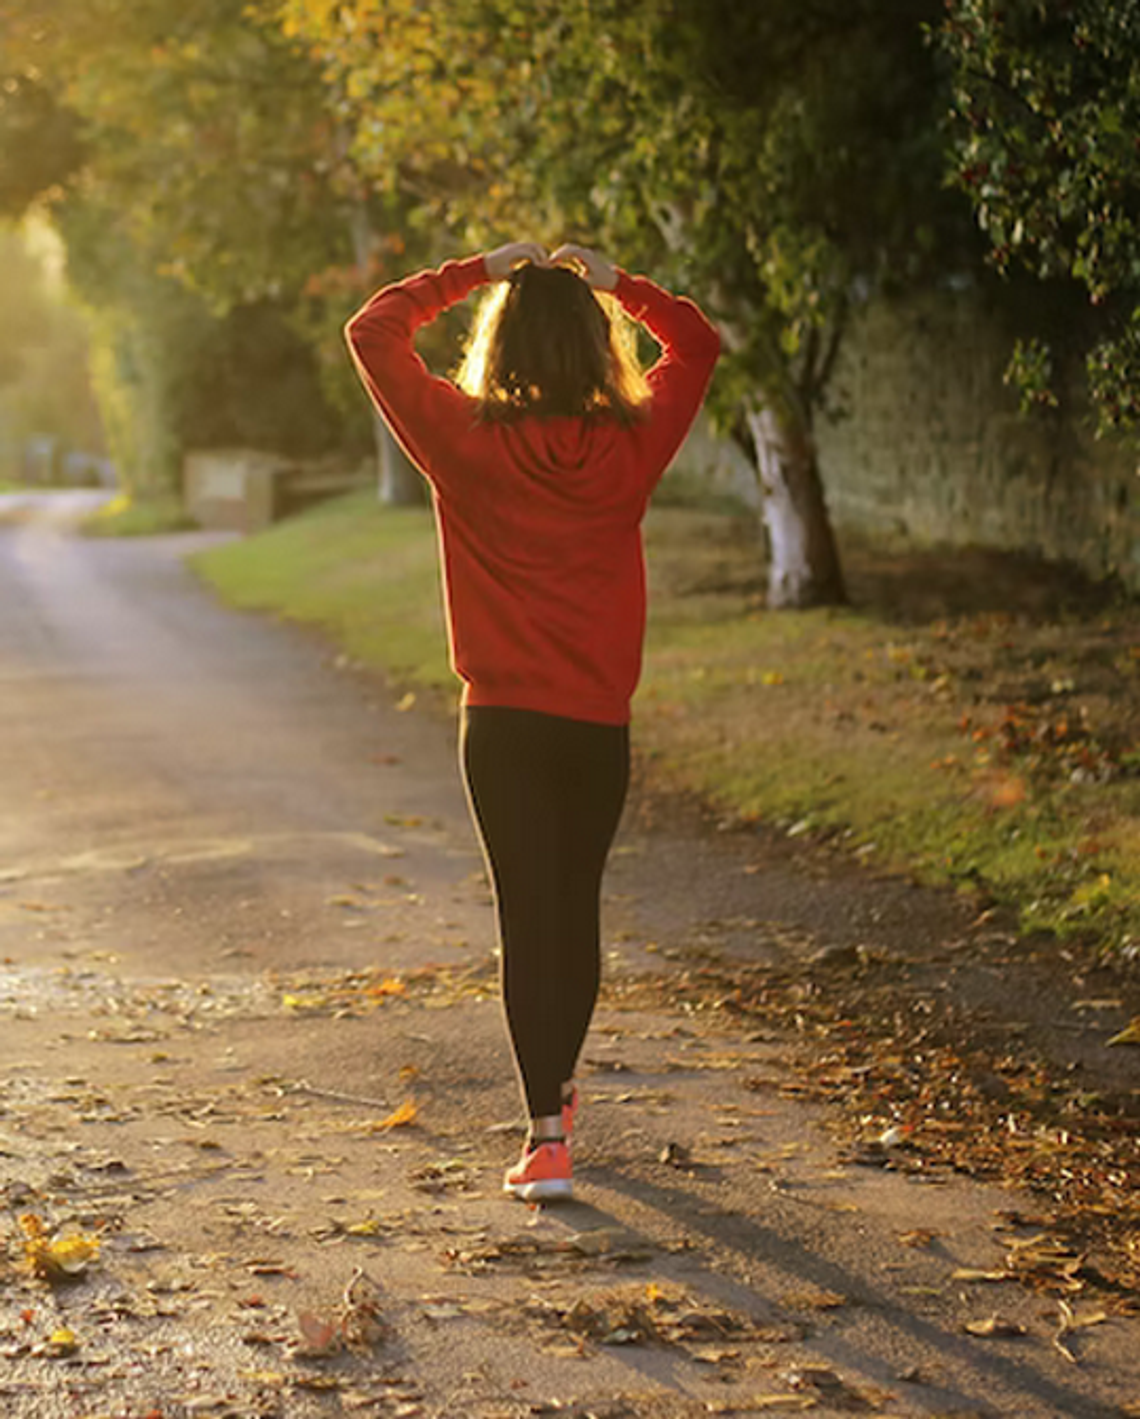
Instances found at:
x=934 y=447
x=931 y=447
x=242 y=489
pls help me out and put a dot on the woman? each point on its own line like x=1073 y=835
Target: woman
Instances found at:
x=541 y=459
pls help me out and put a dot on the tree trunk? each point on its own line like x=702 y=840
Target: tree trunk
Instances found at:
x=804 y=567
x=400 y=484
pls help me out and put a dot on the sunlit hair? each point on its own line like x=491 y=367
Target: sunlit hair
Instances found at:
x=544 y=343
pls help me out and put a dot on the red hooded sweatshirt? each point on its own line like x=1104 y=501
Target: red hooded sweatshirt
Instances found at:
x=539 y=518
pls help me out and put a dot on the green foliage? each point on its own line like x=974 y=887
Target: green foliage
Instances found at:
x=1030 y=371
x=763 y=157
x=40 y=142
x=44 y=383
x=1046 y=106
x=211 y=189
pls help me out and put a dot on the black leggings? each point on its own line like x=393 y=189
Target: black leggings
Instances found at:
x=546 y=794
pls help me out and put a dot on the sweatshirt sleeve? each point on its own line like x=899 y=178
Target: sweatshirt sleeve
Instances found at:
x=690 y=347
x=427 y=414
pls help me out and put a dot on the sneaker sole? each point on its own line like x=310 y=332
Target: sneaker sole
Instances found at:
x=548 y=1190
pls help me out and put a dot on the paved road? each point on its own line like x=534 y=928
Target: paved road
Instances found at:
x=216 y=764
x=242 y=921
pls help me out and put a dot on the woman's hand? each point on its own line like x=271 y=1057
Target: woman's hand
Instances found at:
x=502 y=261
x=599 y=273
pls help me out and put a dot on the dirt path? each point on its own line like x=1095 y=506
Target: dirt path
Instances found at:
x=250 y=1043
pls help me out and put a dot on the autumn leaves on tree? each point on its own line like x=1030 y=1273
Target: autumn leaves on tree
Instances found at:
x=782 y=163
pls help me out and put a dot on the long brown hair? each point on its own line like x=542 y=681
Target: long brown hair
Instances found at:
x=544 y=344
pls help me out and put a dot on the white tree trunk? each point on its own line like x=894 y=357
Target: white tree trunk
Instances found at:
x=804 y=565
x=398 y=483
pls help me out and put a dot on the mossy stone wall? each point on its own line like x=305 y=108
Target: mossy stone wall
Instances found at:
x=926 y=443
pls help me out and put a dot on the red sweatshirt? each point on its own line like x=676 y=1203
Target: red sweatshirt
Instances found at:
x=540 y=518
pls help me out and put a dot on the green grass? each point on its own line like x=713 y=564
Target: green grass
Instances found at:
x=887 y=737
x=365 y=575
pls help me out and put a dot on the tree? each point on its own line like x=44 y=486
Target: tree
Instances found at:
x=1044 y=120
x=211 y=187
x=40 y=143
x=773 y=160
x=44 y=383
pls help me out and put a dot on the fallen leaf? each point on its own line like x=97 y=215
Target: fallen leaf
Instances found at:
x=389 y=986
x=993 y=1326
x=1130 y=1035
x=56 y=1258
x=62 y=1342
x=1092 y=1318
x=367 y=1227
x=399 y=1118
x=315 y=1382
x=1070 y=1322
x=969 y=1273
x=319 y=1337
x=622 y=1335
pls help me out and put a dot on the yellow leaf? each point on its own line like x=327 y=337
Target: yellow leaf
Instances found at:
x=274 y=1379
x=1130 y=1035
x=994 y=1325
x=63 y=1341
x=370 y=1227
x=54 y=1258
x=71 y=1254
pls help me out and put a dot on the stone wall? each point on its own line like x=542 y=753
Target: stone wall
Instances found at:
x=931 y=446
x=244 y=489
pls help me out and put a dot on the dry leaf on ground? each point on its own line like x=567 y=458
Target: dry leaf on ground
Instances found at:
x=59 y=1258
x=1130 y=1035
x=398 y=1118
x=993 y=1326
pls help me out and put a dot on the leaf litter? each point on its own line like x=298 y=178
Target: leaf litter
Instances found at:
x=652 y=1314
x=919 y=1090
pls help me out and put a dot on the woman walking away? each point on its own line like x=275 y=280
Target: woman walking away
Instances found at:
x=541 y=459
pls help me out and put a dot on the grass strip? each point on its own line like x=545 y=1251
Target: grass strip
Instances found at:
x=996 y=749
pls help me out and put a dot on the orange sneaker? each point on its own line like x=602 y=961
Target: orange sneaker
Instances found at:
x=542 y=1174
